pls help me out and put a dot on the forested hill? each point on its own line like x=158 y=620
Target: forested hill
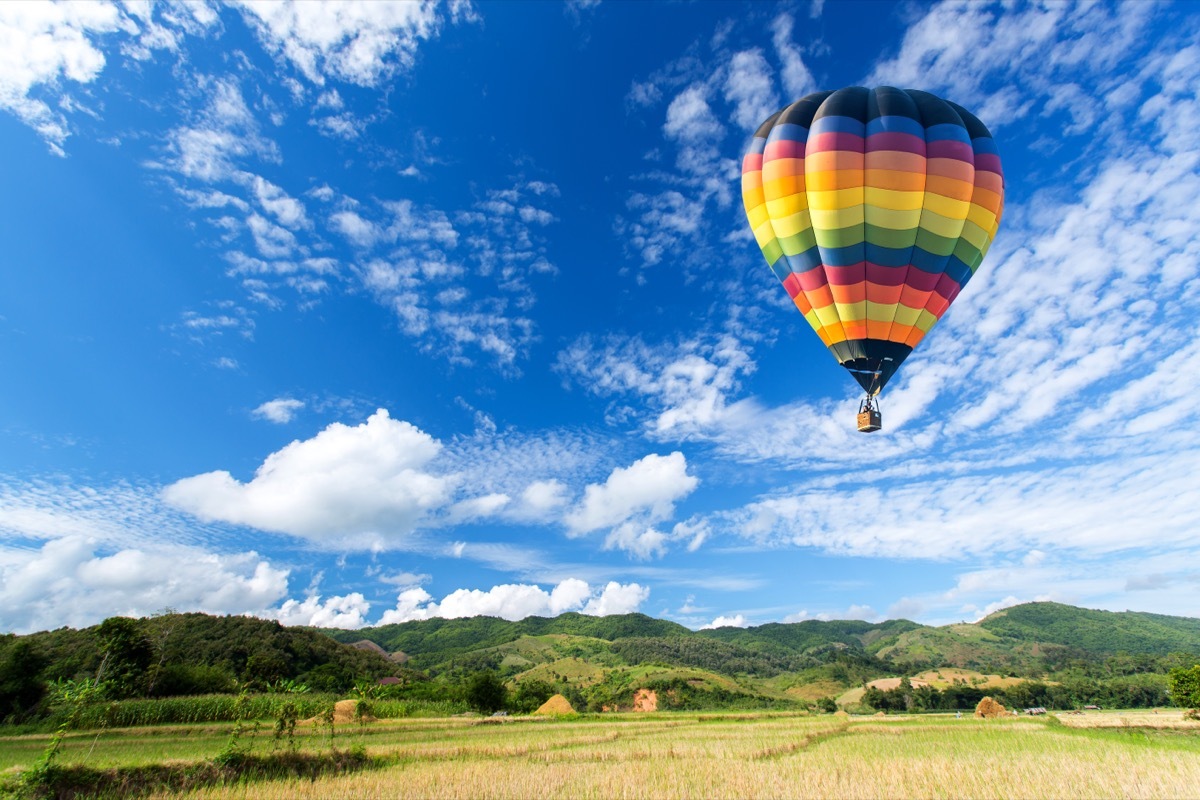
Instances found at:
x=187 y=653
x=440 y=639
x=1100 y=632
x=1026 y=639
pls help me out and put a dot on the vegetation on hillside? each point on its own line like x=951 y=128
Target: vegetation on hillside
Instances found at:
x=1051 y=655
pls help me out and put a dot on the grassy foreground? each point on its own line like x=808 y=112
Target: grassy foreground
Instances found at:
x=696 y=755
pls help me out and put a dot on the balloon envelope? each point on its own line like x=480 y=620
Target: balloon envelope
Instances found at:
x=874 y=207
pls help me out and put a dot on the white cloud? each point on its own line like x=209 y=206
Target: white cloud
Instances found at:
x=223 y=134
x=348 y=611
x=287 y=210
x=797 y=80
x=517 y=601
x=281 y=410
x=363 y=43
x=969 y=50
x=647 y=489
x=690 y=118
x=70 y=581
x=358 y=486
x=617 y=598
x=1089 y=508
x=44 y=45
x=687 y=386
x=736 y=621
x=748 y=87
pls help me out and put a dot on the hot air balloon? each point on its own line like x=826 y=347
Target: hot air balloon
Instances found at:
x=873 y=207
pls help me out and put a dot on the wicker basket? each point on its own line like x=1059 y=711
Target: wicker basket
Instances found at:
x=869 y=420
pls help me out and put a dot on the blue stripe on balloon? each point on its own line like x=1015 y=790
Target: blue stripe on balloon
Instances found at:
x=947 y=132
x=895 y=124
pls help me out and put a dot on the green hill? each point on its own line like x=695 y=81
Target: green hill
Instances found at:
x=433 y=641
x=1044 y=653
x=1097 y=632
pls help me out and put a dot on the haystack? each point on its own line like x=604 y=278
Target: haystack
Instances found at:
x=556 y=705
x=343 y=714
x=989 y=708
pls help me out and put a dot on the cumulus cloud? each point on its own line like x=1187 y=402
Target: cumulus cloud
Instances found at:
x=370 y=482
x=517 y=601
x=347 y=611
x=71 y=581
x=736 y=621
x=646 y=489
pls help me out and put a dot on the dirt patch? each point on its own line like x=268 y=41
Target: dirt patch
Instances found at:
x=989 y=708
x=645 y=700
x=556 y=705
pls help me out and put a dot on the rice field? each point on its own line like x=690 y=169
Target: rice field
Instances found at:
x=670 y=755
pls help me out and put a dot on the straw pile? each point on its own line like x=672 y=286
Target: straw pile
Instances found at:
x=556 y=705
x=343 y=714
x=989 y=708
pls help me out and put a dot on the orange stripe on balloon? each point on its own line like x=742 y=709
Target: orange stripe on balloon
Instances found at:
x=895 y=179
x=853 y=293
x=950 y=168
x=950 y=187
x=895 y=160
x=855 y=329
x=832 y=160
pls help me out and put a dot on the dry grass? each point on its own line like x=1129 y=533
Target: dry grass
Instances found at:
x=766 y=755
x=947 y=676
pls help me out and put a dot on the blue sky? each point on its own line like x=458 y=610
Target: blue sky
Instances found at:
x=349 y=313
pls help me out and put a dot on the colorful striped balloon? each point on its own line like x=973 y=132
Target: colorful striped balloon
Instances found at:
x=874 y=207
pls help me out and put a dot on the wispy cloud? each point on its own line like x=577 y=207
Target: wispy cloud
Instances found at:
x=45 y=46
x=281 y=410
x=362 y=43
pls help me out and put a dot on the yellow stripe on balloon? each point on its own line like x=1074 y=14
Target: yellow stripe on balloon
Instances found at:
x=826 y=222
x=951 y=209
x=893 y=200
x=792 y=224
x=836 y=199
x=786 y=206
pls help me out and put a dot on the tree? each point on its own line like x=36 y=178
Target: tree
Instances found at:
x=530 y=695
x=486 y=692
x=1185 y=688
x=20 y=687
x=127 y=655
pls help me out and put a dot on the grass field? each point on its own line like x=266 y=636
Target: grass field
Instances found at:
x=1128 y=755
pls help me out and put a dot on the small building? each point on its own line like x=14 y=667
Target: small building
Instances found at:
x=389 y=681
x=1035 y=711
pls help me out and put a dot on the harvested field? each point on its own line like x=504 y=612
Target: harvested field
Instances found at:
x=744 y=755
